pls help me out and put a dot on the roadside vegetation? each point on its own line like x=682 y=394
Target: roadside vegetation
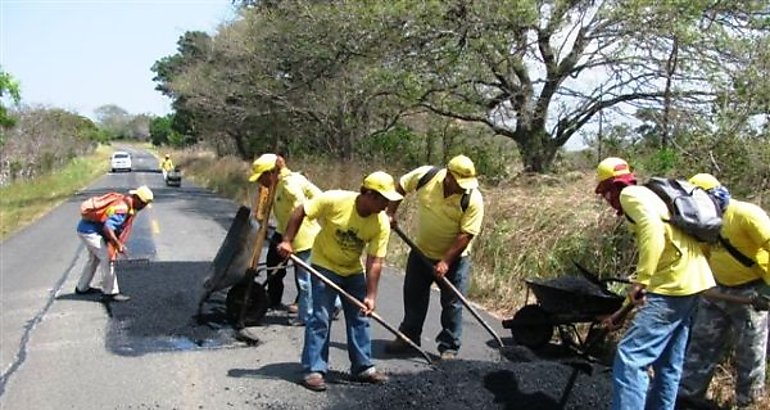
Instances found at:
x=22 y=202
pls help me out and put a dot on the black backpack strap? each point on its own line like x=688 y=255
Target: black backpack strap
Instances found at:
x=427 y=177
x=464 y=201
x=735 y=253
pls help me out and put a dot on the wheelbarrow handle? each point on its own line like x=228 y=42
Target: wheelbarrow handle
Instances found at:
x=445 y=282
x=360 y=304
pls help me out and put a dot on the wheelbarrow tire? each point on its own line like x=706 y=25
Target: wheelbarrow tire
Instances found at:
x=257 y=308
x=532 y=326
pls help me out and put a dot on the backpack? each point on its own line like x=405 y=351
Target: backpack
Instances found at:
x=692 y=209
x=94 y=209
x=464 y=201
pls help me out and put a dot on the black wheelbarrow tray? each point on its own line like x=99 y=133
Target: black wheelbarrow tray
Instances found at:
x=562 y=303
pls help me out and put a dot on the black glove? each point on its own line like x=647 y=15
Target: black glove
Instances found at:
x=760 y=302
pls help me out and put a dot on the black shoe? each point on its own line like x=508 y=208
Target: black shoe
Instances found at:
x=118 y=297
x=89 y=291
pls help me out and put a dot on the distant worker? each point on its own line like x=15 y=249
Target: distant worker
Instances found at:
x=292 y=190
x=671 y=272
x=104 y=228
x=166 y=166
x=351 y=223
x=740 y=266
x=450 y=213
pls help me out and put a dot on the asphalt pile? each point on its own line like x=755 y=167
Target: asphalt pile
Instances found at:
x=524 y=381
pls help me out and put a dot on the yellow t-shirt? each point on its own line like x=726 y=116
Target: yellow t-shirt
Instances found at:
x=670 y=262
x=442 y=219
x=293 y=190
x=747 y=228
x=344 y=233
x=166 y=164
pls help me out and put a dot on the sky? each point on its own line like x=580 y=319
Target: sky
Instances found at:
x=80 y=55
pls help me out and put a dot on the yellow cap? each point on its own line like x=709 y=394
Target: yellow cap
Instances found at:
x=383 y=183
x=464 y=171
x=705 y=181
x=610 y=168
x=144 y=193
x=265 y=162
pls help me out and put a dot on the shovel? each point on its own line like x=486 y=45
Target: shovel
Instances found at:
x=445 y=282
x=360 y=304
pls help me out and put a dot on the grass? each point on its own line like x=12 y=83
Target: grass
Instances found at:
x=23 y=202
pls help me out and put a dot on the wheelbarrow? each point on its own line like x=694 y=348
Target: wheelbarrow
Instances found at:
x=562 y=303
x=231 y=268
x=174 y=177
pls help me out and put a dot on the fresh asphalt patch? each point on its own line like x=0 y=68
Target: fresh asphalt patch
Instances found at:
x=162 y=314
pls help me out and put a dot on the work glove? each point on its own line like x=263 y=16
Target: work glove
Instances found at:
x=760 y=302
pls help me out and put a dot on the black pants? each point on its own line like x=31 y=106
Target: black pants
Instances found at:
x=274 y=282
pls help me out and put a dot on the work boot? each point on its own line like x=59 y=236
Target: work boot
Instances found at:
x=314 y=381
x=398 y=346
x=371 y=375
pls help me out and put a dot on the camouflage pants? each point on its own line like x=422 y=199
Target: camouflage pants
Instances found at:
x=717 y=326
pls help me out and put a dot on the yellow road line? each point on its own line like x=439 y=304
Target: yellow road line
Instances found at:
x=155 y=227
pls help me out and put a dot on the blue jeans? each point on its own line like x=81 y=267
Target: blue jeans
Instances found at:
x=658 y=338
x=315 y=353
x=305 y=290
x=419 y=277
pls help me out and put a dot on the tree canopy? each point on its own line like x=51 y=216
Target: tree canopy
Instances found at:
x=329 y=76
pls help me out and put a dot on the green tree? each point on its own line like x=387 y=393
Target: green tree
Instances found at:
x=539 y=71
x=9 y=87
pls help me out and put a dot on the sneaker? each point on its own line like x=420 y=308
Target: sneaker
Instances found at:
x=448 y=355
x=293 y=321
x=118 y=297
x=314 y=381
x=398 y=346
x=293 y=308
x=89 y=291
x=371 y=375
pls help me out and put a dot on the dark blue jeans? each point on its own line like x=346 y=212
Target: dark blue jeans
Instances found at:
x=419 y=277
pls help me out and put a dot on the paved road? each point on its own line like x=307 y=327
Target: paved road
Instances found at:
x=59 y=350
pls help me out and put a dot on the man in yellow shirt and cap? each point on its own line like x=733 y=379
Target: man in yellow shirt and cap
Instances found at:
x=166 y=166
x=740 y=266
x=671 y=273
x=351 y=223
x=450 y=214
x=292 y=190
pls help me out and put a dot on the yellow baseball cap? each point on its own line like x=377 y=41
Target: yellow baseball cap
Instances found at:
x=265 y=162
x=705 y=181
x=464 y=171
x=144 y=193
x=383 y=183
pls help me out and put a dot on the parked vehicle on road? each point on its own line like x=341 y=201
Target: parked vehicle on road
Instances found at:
x=120 y=161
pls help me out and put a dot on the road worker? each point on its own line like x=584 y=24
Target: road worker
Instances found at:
x=450 y=214
x=351 y=223
x=292 y=190
x=166 y=166
x=105 y=234
x=739 y=263
x=671 y=272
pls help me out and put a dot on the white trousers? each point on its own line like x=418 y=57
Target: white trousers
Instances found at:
x=98 y=258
